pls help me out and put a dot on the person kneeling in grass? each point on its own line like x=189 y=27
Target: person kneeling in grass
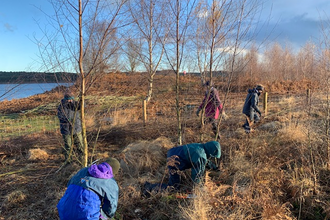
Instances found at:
x=194 y=156
x=92 y=193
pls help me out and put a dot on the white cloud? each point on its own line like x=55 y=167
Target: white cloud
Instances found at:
x=9 y=27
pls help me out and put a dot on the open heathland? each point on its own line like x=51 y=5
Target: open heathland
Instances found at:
x=280 y=171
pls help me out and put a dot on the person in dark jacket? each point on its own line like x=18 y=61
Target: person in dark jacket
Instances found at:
x=68 y=113
x=250 y=108
x=92 y=193
x=194 y=156
x=212 y=107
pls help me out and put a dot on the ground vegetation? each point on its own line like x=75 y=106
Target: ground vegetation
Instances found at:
x=277 y=172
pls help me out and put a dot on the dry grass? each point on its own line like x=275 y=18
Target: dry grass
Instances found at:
x=278 y=172
x=294 y=133
x=145 y=157
x=14 y=199
x=37 y=154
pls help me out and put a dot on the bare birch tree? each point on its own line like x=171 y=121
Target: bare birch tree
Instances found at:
x=148 y=18
x=84 y=41
x=324 y=69
x=180 y=15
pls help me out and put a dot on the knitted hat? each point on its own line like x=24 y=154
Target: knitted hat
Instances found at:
x=260 y=87
x=114 y=163
x=68 y=96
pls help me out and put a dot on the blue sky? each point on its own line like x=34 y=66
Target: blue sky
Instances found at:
x=18 y=26
x=294 y=21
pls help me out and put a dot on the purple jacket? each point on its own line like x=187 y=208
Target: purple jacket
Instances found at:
x=91 y=194
x=213 y=105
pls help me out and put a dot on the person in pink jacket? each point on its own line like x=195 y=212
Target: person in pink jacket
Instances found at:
x=212 y=106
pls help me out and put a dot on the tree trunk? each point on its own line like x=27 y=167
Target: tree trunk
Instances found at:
x=82 y=92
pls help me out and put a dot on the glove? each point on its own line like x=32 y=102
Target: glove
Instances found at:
x=260 y=114
x=197 y=112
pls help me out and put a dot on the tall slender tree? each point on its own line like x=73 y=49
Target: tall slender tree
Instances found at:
x=84 y=41
x=180 y=16
x=149 y=32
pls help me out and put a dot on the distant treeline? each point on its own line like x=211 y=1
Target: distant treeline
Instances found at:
x=36 y=77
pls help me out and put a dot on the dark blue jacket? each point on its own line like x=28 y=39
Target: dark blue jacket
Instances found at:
x=89 y=197
x=251 y=102
x=195 y=157
x=69 y=113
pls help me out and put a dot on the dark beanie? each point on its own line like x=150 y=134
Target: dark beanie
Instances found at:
x=68 y=96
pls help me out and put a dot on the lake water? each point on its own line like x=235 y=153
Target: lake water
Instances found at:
x=18 y=91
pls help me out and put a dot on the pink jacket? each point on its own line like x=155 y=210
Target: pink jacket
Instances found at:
x=213 y=104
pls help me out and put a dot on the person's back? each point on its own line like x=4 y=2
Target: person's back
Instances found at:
x=188 y=155
x=79 y=203
x=194 y=156
x=248 y=101
x=68 y=113
x=91 y=194
x=250 y=107
x=212 y=107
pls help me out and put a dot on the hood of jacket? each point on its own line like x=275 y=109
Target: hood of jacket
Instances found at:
x=254 y=90
x=102 y=171
x=212 y=149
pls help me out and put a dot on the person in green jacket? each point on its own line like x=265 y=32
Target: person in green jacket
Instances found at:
x=194 y=156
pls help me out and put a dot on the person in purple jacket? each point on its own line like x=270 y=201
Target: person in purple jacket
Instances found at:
x=92 y=193
x=211 y=106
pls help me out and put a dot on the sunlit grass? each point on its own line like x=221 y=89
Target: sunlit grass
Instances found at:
x=18 y=126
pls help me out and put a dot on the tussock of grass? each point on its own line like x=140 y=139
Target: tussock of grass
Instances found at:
x=294 y=133
x=37 y=154
x=145 y=156
x=14 y=199
x=200 y=207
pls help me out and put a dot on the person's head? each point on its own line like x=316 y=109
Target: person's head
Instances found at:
x=208 y=84
x=68 y=97
x=260 y=88
x=114 y=163
x=212 y=149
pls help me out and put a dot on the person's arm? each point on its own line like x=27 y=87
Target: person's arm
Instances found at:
x=61 y=114
x=217 y=101
x=198 y=169
x=254 y=103
x=110 y=201
x=216 y=97
x=74 y=106
x=211 y=165
x=201 y=106
x=77 y=105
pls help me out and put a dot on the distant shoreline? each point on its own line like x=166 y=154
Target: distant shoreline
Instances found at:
x=36 y=77
x=13 y=83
